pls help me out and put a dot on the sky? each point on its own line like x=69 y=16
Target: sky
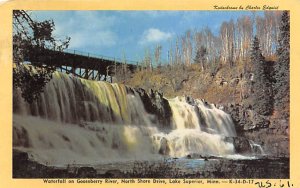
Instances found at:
x=128 y=34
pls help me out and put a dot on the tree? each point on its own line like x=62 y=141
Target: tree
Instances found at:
x=200 y=57
x=177 y=54
x=281 y=67
x=31 y=38
x=267 y=28
x=148 y=60
x=187 y=47
x=157 y=54
x=227 y=33
x=243 y=36
x=262 y=87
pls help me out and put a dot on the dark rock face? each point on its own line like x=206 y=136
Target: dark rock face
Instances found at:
x=23 y=167
x=113 y=174
x=20 y=137
x=245 y=118
x=154 y=103
x=268 y=131
x=242 y=145
x=274 y=140
x=20 y=157
x=86 y=172
x=164 y=147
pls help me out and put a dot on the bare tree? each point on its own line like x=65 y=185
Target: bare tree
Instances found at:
x=267 y=30
x=187 y=47
x=157 y=54
x=227 y=35
x=177 y=55
x=148 y=59
x=244 y=36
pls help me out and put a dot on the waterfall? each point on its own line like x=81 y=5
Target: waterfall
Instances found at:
x=82 y=121
x=198 y=114
x=72 y=100
x=256 y=148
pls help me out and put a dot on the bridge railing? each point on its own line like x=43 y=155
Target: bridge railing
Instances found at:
x=81 y=53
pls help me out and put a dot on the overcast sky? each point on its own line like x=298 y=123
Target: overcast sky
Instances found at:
x=114 y=33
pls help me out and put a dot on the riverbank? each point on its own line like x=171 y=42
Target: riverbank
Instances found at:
x=260 y=168
x=230 y=89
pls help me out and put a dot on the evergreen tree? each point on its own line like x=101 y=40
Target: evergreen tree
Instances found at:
x=281 y=68
x=262 y=87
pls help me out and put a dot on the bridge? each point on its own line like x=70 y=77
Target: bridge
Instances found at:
x=80 y=64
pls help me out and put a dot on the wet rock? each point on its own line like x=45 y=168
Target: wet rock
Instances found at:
x=20 y=137
x=115 y=173
x=242 y=145
x=164 y=147
x=257 y=149
x=20 y=157
x=156 y=104
x=190 y=100
x=59 y=173
x=23 y=167
x=201 y=156
x=86 y=172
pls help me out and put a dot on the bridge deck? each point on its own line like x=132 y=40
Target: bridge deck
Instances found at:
x=81 y=65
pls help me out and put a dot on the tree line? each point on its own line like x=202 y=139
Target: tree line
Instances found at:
x=261 y=44
x=272 y=88
x=231 y=45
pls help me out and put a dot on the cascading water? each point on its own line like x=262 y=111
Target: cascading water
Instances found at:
x=256 y=148
x=82 y=121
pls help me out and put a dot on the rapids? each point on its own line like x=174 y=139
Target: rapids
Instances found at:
x=77 y=121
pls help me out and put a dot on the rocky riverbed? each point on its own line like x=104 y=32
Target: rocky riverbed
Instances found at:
x=189 y=167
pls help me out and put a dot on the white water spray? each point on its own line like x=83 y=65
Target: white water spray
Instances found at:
x=82 y=121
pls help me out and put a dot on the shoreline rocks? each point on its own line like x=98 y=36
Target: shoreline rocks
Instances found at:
x=24 y=167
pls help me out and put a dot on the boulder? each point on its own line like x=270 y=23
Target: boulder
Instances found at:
x=114 y=173
x=242 y=145
x=86 y=172
x=164 y=147
x=156 y=104
x=20 y=137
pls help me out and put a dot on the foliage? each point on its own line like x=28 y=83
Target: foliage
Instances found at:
x=200 y=56
x=281 y=68
x=30 y=39
x=31 y=82
x=262 y=88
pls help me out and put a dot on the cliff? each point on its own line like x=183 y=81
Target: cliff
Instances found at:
x=230 y=88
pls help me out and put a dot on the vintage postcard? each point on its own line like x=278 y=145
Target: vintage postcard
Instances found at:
x=149 y=93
